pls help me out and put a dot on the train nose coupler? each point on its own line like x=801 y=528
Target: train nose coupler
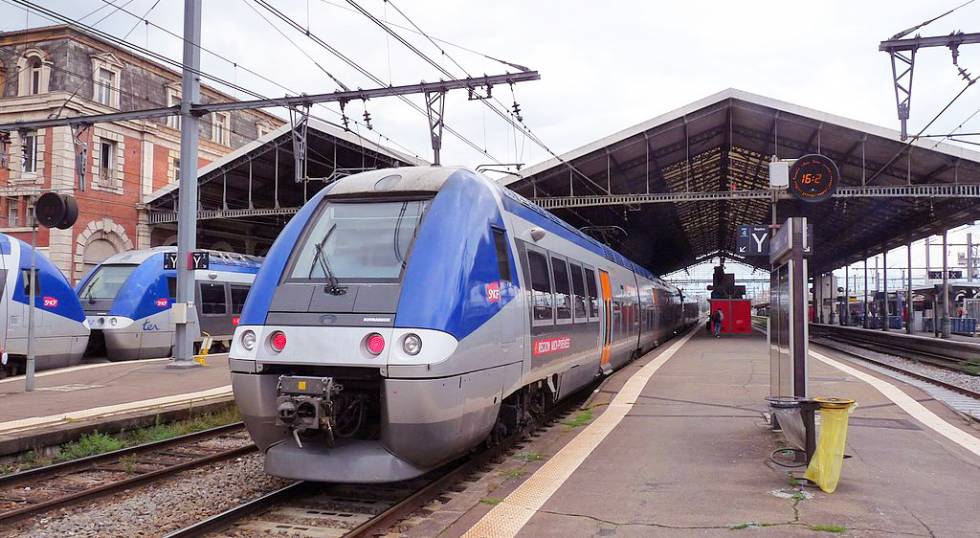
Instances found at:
x=305 y=403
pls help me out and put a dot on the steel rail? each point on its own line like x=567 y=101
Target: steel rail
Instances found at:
x=921 y=377
x=398 y=511
x=119 y=485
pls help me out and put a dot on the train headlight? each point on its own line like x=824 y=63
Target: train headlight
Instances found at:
x=278 y=341
x=375 y=343
x=113 y=321
x=248 y=340
x=412 y=344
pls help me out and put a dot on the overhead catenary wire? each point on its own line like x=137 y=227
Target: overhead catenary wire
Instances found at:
x=122 y=43
x=912 y=139
x=509 y=117
x=360 y=69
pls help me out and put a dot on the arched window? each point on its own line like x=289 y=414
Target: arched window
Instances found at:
x=35 y=83
x=34 y=73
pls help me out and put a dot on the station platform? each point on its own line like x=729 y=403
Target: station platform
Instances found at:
x=106 y=397
x=680 y=447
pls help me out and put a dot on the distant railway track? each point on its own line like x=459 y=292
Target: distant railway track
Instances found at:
x=362 y=510
x=949 y=354
x=69 y=483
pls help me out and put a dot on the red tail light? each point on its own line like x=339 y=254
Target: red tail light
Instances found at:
x=375 y=343
x=278 y=341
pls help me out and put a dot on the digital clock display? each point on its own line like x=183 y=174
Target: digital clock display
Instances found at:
x=813 y=178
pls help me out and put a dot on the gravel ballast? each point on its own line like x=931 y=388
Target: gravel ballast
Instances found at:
x=158 y=508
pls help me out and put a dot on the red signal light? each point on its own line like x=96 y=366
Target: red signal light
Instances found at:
x=375 y=343
x=278 y=341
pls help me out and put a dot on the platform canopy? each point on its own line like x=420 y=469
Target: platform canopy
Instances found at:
x=247 y=196
x=671 y=191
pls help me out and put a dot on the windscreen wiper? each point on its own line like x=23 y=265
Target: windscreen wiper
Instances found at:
x=333 y=285
x=88 y=292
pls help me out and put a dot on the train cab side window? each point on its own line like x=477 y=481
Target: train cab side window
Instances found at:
x=540 y=286
x=25 y=277
x=578 y=288
x=172 y=287
x=213 y=299
x=238 y=295
x=503 y=260
x=593 y=293
x=563 y=300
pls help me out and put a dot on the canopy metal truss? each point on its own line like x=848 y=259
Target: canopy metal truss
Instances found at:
x=867 y=191
x=246 y=197
x=680 y=184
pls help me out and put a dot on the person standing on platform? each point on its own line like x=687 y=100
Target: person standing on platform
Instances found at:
x=716 y=319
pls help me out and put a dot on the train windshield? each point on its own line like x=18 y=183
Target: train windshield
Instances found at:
x=106 y=281
x=358 y=241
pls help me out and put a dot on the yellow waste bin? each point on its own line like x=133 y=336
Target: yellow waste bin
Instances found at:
x=825 y=466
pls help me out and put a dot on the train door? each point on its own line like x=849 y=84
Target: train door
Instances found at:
x=606 y=288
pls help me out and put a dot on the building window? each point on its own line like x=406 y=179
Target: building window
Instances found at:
x=220 y=124
x=173 y=99
x=176 y=165
x=13 y=213
x=105 y=82
x=29 y=148
x=263 y=129
x=33 y=73
x=36 y=65
x=107 y=159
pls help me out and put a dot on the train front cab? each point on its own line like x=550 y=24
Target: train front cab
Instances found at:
x=398 y=273
x=61 y=333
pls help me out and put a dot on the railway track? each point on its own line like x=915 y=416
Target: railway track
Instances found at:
x=66 y=484
x=317 y=510
x=948 y=354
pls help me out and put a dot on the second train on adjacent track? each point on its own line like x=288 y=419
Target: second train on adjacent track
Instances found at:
x=404 y=316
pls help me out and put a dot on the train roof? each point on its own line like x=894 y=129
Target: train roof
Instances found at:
x=429 y=179
x=137 y=257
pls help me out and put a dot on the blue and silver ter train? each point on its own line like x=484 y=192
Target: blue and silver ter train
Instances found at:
x=405 y=316
x=128 y=297
x=60 y=330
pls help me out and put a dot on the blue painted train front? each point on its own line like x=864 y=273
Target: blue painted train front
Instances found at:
x=60 y=330
x=127 y=301
x=405 y=315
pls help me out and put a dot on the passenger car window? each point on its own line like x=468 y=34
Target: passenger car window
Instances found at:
x=578 y=288
x=540 y=286
x=213 y=299
x=593 y=294
x=238 y=295
x=503 y=260
x=25 y=276
x=563 y=301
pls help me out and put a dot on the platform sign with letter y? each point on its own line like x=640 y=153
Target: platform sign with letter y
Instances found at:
x=752 y=241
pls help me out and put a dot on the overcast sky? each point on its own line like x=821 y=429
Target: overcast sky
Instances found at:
x=604 y=65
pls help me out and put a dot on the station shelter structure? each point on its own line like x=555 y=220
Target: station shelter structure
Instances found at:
x=671 y=192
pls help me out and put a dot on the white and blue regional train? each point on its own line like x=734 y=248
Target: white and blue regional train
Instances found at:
x=127 y=301
x=60 y=330
x=406 y=315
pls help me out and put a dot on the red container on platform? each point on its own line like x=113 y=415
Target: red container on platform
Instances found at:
x=737 y=315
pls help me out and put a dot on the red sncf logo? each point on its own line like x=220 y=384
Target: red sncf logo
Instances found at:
x=162 y=302
x=493 y=292
x=50 y=302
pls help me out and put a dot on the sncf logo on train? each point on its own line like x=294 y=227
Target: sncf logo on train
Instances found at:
x=50 y=302
x=544 y=346
x=162 y=302
x=493 y=292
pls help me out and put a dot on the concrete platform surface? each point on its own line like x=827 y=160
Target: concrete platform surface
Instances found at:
x=690 y=458
x=112 y=395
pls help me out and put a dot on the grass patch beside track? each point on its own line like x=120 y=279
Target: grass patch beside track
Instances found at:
x=91 y=444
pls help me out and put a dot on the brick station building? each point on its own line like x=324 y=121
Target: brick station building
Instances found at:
x=57 y=71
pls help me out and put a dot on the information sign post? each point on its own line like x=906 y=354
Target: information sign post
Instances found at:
x=789 y=336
